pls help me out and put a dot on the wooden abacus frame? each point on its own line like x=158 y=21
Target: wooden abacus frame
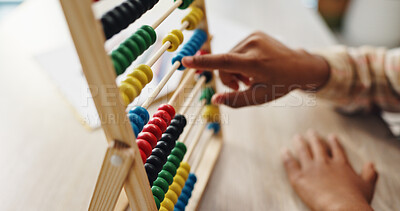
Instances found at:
x=122 y=165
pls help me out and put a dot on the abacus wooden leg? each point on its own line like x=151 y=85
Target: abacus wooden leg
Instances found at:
x=114 y=171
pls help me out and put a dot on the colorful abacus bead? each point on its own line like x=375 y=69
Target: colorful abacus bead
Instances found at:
x=186 y=192
x=193 y=18
x=154 y=129
x=191 y=47
x=175 y=189
x=175 y=37
x=131 y=87
x=215 y=126
x=123 y=15
x=138 y=117
x=207 y=94
x=158 y=159
x=211 y=113
x=132 y=47
x=185 y=4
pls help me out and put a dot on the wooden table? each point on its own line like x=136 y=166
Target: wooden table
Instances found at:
x=49 y=161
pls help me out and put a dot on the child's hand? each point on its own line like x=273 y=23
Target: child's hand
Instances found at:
x=269 y=68
x=323 y=177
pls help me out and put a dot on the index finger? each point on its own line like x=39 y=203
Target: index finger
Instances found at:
x=230 y=62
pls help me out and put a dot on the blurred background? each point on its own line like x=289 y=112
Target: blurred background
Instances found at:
x=353 y=22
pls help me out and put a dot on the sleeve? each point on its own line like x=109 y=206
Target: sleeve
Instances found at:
x=362 y=78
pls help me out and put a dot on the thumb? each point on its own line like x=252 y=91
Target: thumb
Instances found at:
x=256 y=94
x=369 y=174
x=231 y=62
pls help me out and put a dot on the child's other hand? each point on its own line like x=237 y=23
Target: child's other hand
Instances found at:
x=266 y=66
x=323 y=177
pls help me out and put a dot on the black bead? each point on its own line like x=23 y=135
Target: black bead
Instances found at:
x=156 y=161
x=182 y=120
x=173 y=131
x=208 y=75
x=161 y=154
x=164 y=146
x=169 y=139
x=151 y=172
x=140 y=6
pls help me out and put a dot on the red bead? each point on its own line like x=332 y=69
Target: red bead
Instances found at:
x=144 y=146
x=144 y=157
x=159 y=122
x=149 y=137
x=168 y=108
x=202 y=52
x=154 y=129
x=163 y=115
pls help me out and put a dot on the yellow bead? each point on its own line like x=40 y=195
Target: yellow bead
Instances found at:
x=183 y=172
x=128 y=90
x=185 y=166
x=172 y=196
x=146 y=70
x=140 y=75
x=174 y=40
x=198 y=13
x=192 y=20
x=125 y=99
x=175 y=188
x=135 y=83
x=163 y=209
x=211 y=113
x=179 y=34
x=180 y=180
x=168 y=204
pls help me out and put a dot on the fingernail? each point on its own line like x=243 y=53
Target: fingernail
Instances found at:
x=187 y=60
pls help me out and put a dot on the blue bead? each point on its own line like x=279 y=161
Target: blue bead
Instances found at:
x=214 y=126
x=178 y=209
x=135 y=129
x=134 y=118
x=187 y=191
x=192 y=177
x=142 y=112
x=179 y=204
x=184 y=198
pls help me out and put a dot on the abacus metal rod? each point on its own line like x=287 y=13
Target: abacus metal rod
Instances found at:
x=192 y=94
x=190 y=127
x=190 y=73
x=162 y=83
x=195 y=141
x=166 y=14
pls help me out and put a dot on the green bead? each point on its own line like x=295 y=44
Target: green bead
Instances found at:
x=167 y=176
x=207 y=94
x=157 y=202
x=158 y=192
x=181 y=146
x=133 y=47
x=185 y=4
x=151 y=32
x=143 y=33
x=160 y=182
x=175 y=160
x=178 y=153
x=117 y=67
x=170 y=167
x=120 y=58
x=139 y=41
x=126 y=52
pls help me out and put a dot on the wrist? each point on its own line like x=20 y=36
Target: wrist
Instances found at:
x=315 y=70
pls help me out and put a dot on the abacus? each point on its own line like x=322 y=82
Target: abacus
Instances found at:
x=148 y=162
